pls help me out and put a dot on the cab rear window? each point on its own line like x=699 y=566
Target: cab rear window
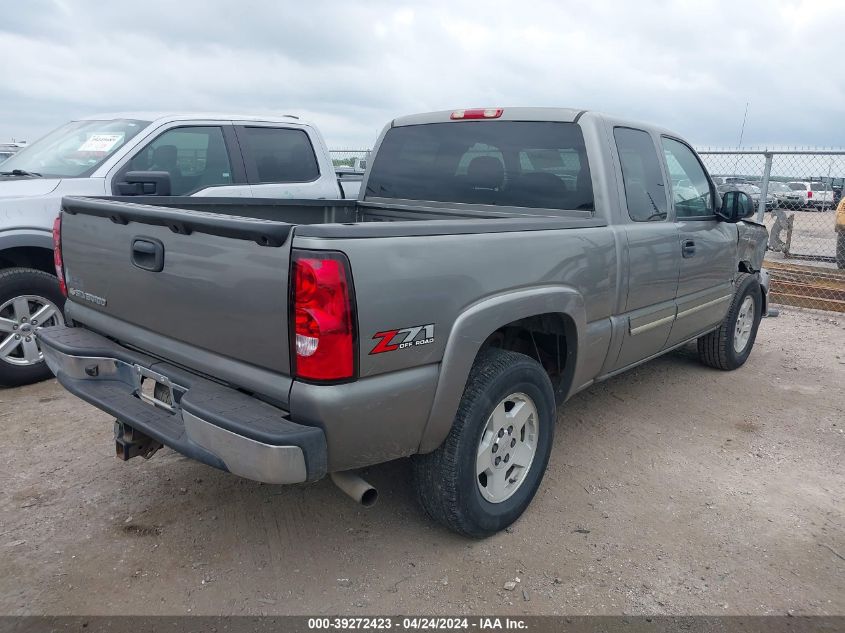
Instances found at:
x=504 y=163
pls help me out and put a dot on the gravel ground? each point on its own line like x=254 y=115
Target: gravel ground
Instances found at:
x=673 y=489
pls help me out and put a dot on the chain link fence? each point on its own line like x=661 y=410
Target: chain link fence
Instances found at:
x=796 y=193
x=352 y=158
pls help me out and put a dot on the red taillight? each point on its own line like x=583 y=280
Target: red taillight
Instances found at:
x=477 y=113
x=57 y=254
x=323 y=328
x=809 y=194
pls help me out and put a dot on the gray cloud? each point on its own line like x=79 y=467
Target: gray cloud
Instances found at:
x=351 y=67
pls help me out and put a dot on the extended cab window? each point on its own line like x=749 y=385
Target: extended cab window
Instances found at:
x=195 y=158
x=507 y=163
x=279 y=155
x=691 y=192
x=645 y=191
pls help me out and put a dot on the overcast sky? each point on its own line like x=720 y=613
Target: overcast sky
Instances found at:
x=352 y=66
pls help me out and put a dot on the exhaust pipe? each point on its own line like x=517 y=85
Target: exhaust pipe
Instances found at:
x=355 y=487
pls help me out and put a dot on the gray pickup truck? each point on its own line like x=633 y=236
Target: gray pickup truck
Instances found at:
x=497 y=262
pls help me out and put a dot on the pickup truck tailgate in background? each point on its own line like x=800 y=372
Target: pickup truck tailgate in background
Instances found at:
x=224 y=294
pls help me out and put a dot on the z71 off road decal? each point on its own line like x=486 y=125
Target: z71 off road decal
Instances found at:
x=391 y=340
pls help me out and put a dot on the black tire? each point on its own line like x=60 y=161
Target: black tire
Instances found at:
x=15 y=282
x=716 y=349
x=445 y=480
x=840 y=250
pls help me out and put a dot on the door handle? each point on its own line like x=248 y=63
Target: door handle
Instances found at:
x=148 y=254
x=688 y=248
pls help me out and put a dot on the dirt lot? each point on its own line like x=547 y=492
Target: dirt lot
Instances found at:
x=673 y=489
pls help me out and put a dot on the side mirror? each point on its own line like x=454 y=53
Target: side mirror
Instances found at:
x=736 y=206
x=144 y=183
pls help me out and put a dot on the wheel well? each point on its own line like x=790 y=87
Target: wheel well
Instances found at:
x=746 y=267
x=550 y=339
x=28 y=257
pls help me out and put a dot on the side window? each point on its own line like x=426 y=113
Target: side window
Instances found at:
x=195 y=158
x=690 y=187
x=645 y=190
x=280 y=155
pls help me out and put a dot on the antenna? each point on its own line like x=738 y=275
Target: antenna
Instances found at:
x=742 y=129
x=741 y=134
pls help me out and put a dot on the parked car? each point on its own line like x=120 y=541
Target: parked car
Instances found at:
x=130 y=154
x=754 y=192
x=837 y=186
x=817 y=195
x=780 y=193
x=729 y=180
x=444 y=315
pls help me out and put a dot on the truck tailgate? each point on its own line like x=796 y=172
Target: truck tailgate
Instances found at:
x=221 y=284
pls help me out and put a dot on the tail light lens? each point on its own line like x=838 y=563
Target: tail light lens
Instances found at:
x=57 y=254
x=809 y=193
x=322 y=320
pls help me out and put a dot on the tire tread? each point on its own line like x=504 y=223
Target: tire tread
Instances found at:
x=713 y=349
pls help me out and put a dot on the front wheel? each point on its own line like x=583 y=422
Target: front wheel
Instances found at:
x=482 y=478
x=728 y=347
x=29 y=299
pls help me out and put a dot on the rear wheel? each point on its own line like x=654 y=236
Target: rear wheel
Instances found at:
x=487 y=471
x=29 y=299
x=729 y=347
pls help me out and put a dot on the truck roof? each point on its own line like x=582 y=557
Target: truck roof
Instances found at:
x=194 y=116
x=564 y=115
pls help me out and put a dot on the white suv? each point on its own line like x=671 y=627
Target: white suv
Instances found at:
x=818 y=195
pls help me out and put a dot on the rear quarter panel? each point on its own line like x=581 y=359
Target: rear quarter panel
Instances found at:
x=403 y=282
x=486 y=280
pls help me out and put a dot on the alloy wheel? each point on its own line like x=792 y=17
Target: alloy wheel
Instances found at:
x=20 y=317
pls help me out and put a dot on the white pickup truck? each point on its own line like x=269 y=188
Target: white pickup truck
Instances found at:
x=162 y=154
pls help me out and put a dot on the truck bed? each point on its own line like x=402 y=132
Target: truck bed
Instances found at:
x=205 y=282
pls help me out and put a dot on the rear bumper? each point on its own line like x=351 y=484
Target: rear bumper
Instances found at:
x=214 y=424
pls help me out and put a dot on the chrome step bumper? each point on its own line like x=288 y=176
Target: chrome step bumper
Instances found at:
x=209 y=422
